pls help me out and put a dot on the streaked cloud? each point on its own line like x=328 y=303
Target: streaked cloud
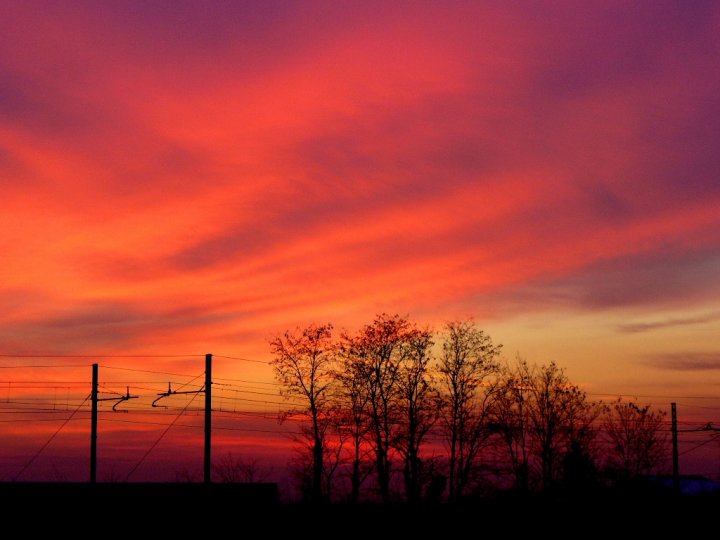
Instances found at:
x=187 y=178
x=690 y=361
x=291 y=162
x=668 y=323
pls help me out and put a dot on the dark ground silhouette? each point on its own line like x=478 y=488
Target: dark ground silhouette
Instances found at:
x=254 y=509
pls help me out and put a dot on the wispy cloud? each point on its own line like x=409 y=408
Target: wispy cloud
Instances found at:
x=651 y=280
x=667 y=323
x=690 y=361
x=339 y=160
x=182 y=177
x=107 y=326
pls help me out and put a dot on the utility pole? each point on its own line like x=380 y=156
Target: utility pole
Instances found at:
x=94 y=424
x=676 y=465
x=208 y=418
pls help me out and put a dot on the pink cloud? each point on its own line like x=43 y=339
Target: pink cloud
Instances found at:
x=174 y=179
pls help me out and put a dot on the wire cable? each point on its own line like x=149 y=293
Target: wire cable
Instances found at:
x=45 y=366
x=147 y=371
x=711 y=439
x=190 y=382
x=99 y=355
x=170 y=425
x=245 y=381
x=44 y=446
x=242 y=359
x=613 y=395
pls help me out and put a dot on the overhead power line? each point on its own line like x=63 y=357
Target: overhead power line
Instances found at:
x=23 y=366
x=147 y=371
x=160 y=438
x=242 y=359
x=613 y=394
x=245 y=381
x=44 y=446
x=700 y=445
x=100 y=356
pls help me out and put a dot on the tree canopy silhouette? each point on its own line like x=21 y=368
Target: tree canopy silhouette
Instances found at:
x=378 y=403
x=303 y=366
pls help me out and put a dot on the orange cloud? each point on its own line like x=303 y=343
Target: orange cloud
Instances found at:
x=183 y=180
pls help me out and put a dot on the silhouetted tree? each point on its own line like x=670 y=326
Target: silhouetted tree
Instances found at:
x=352 y=416
x=231 y=469
x=580 y=471
x=639 y=442
x=419 y=407
x=561 y=416
x=466 y=366
x=334 y=452
x=379 y=352
x=187 y=475
x=303 y=366
x=511 y=419
x=541 y=417
x=303 y=466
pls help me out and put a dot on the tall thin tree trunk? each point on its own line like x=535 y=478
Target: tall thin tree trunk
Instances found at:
x=316 y=489
x=355 y=477
x=381 y=464
x=383 y=477
x=453 y=452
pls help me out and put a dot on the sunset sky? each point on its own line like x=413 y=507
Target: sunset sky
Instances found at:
x=189 y=177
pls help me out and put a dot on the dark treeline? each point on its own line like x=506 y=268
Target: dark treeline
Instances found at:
x=398 y=412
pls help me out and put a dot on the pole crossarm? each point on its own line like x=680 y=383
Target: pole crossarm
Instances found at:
x=119 y=400
x=706 y=427
x=205 y=389
x=171 y=392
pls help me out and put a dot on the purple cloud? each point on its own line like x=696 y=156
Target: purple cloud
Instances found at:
x=689 y=361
